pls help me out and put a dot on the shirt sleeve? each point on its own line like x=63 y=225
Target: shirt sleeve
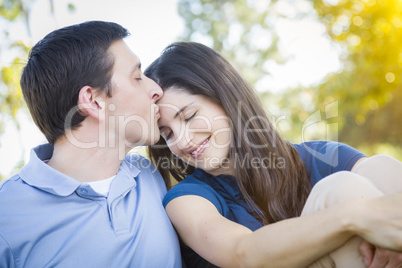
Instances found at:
x=323 y=158
x=191 y=186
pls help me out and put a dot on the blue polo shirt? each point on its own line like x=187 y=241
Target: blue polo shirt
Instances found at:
x=48 y=219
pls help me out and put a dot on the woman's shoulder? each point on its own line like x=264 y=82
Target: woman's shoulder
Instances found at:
x=325 y=151
x=195 y=184
x=322 y=158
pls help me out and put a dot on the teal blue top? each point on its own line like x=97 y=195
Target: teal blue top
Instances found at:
x=321 y=159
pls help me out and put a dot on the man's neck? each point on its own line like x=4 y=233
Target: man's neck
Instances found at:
x=85 y=164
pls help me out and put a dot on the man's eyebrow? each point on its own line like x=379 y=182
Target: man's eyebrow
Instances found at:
x=135 y=68
x=181 y=110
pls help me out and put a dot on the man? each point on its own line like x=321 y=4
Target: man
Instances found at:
x=80 y=202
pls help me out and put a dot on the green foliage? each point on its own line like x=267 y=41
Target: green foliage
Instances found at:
x=367 y=89
x=11 y=101
x=11 y=11
x=242 y=31
x=10 y=93
x=71 y=7
x=369 y=85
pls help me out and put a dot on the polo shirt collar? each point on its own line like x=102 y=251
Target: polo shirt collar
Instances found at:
x=125 y=179
x=40 y=175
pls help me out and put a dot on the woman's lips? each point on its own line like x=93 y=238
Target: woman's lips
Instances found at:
x=198 y=151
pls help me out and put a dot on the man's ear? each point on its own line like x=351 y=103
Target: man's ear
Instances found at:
x=91 y=103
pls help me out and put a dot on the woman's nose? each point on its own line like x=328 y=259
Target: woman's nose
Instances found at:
x=184 y=141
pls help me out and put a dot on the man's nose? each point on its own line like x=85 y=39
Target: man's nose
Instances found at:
x=156 y=91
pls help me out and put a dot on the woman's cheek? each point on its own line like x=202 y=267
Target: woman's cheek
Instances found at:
x=174 y=149
x=200 y=124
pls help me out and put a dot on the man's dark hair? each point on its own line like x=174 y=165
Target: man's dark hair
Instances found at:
x=61 y=64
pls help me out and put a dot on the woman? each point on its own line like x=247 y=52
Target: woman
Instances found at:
x=243 y=187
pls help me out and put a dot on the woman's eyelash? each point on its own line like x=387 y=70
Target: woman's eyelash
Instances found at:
x=166 y=135
x=191 y=117
x=169 y=135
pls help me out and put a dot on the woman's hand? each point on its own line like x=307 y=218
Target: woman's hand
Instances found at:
x=379 y=221
x=376 y=257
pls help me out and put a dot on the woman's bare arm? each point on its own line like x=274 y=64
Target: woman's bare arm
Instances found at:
x=294 y=242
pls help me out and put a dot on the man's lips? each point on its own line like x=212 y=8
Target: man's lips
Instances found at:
x=157 y=112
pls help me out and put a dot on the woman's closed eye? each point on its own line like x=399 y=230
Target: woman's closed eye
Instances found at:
x=190 y=117
x=166 y=134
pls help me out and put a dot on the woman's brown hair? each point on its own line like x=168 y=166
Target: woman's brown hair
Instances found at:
x=279 y=187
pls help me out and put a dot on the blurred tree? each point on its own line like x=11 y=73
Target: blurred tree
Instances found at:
x=369 y=86
x=12 y=51
x=241 y=31
x=244 y=33
x=11 y=11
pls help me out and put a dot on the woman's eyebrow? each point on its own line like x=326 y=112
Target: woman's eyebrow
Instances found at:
x=179 y=112
x=182 y=109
